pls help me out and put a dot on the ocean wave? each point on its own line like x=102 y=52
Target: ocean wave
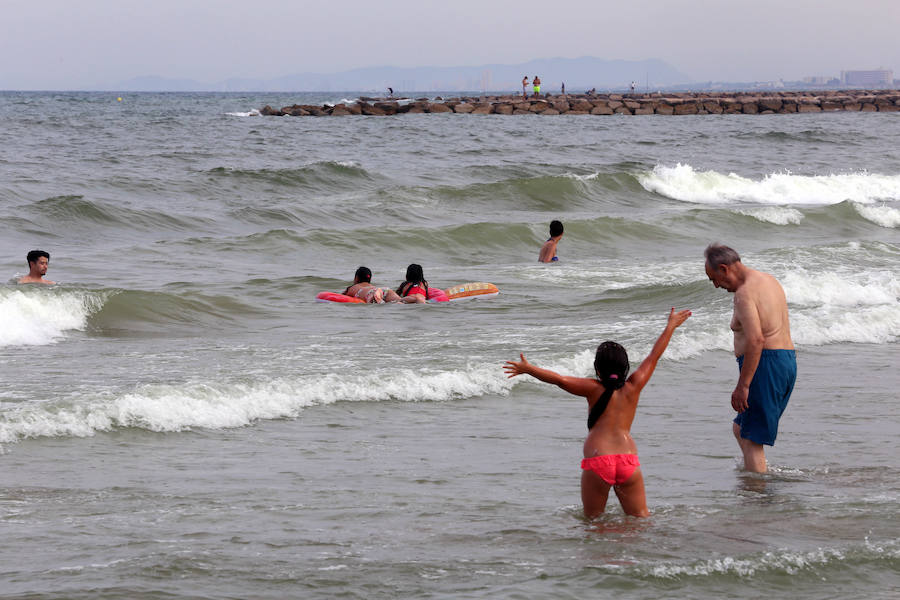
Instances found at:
x=69 y=210
x=327 y=176
x=839 y=294
x=32 y=316
x=240 y=403
x=524 y=190
x=173 y=408
x=683 y=183
x=841 y=289
x=883 y=215
x=872 y=325
x=35 y=316
x=777 y=215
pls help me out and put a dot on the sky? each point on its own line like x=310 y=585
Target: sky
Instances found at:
x=77 y=44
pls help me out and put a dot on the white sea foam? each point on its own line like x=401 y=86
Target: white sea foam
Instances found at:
x=167 y=408
x=833 y=289
x=31 y=317
x=610 y=275
x=777 y=215
x=883 y=215
x=843 y=306
x=250 y=113
x=783 y=560
x=682 y=182
x=786 y=561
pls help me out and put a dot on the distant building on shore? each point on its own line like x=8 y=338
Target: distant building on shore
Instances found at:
x=818 y=80
x=876 y=78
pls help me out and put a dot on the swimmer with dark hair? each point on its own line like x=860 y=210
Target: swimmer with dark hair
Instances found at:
x=610 y=454
x=548 y=250
x=362 y=288
x=414 y=290
x=38 y=263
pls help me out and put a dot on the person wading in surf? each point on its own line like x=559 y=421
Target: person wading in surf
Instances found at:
x=610 y=454
x=764 y=350
x=548 y=250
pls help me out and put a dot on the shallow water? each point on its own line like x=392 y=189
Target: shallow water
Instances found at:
x=179 y=418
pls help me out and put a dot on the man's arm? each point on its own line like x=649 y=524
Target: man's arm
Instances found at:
x=747 y=314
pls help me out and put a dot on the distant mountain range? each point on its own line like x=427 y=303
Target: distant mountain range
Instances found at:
x=578 y=74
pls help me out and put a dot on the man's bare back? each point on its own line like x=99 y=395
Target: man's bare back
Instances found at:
x=760 y=301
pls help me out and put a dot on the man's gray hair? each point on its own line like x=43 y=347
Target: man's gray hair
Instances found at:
x=718 y=254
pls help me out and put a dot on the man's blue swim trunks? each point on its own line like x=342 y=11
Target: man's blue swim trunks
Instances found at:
x=770 y=390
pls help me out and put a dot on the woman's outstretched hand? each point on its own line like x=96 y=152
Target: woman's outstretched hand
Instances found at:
x=514 y=368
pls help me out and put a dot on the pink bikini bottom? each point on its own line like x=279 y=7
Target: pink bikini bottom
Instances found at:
x=614 y=469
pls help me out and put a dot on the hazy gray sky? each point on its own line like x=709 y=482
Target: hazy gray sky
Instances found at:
x=70 y=44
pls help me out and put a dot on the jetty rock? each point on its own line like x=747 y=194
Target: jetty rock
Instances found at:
x=674 y=103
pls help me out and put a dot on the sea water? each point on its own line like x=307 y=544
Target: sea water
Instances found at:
x=180 y=419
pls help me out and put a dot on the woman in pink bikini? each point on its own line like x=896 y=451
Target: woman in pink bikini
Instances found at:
x=610 y=454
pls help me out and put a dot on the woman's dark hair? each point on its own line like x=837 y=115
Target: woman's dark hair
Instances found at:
x=414 y=275
x=611 y=364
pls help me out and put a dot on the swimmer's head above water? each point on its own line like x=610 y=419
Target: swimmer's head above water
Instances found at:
x=362 y=275
x=611 y=364
x=556 y=228
x=414 y=273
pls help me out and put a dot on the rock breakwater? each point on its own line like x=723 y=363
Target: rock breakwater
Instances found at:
x=684 y=103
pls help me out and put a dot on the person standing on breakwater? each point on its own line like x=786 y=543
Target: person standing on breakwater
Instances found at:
x=415 y=289
x=764 y=350
x=548 y=250
x=525 y=86
x=562 y=90
x=362 y=288
x=610 y=454
x=536 y=86
x=38 y=263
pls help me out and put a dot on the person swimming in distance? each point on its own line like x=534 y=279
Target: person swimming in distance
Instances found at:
x=548 y=250
x=414 y=290
x=610 y=454
x=38 y=263
x=362 y=288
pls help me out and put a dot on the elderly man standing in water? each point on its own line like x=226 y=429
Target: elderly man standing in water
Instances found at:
x=764 y=351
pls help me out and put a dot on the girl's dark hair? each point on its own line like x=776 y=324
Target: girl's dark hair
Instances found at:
x=611 y=364
x=414 y=275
